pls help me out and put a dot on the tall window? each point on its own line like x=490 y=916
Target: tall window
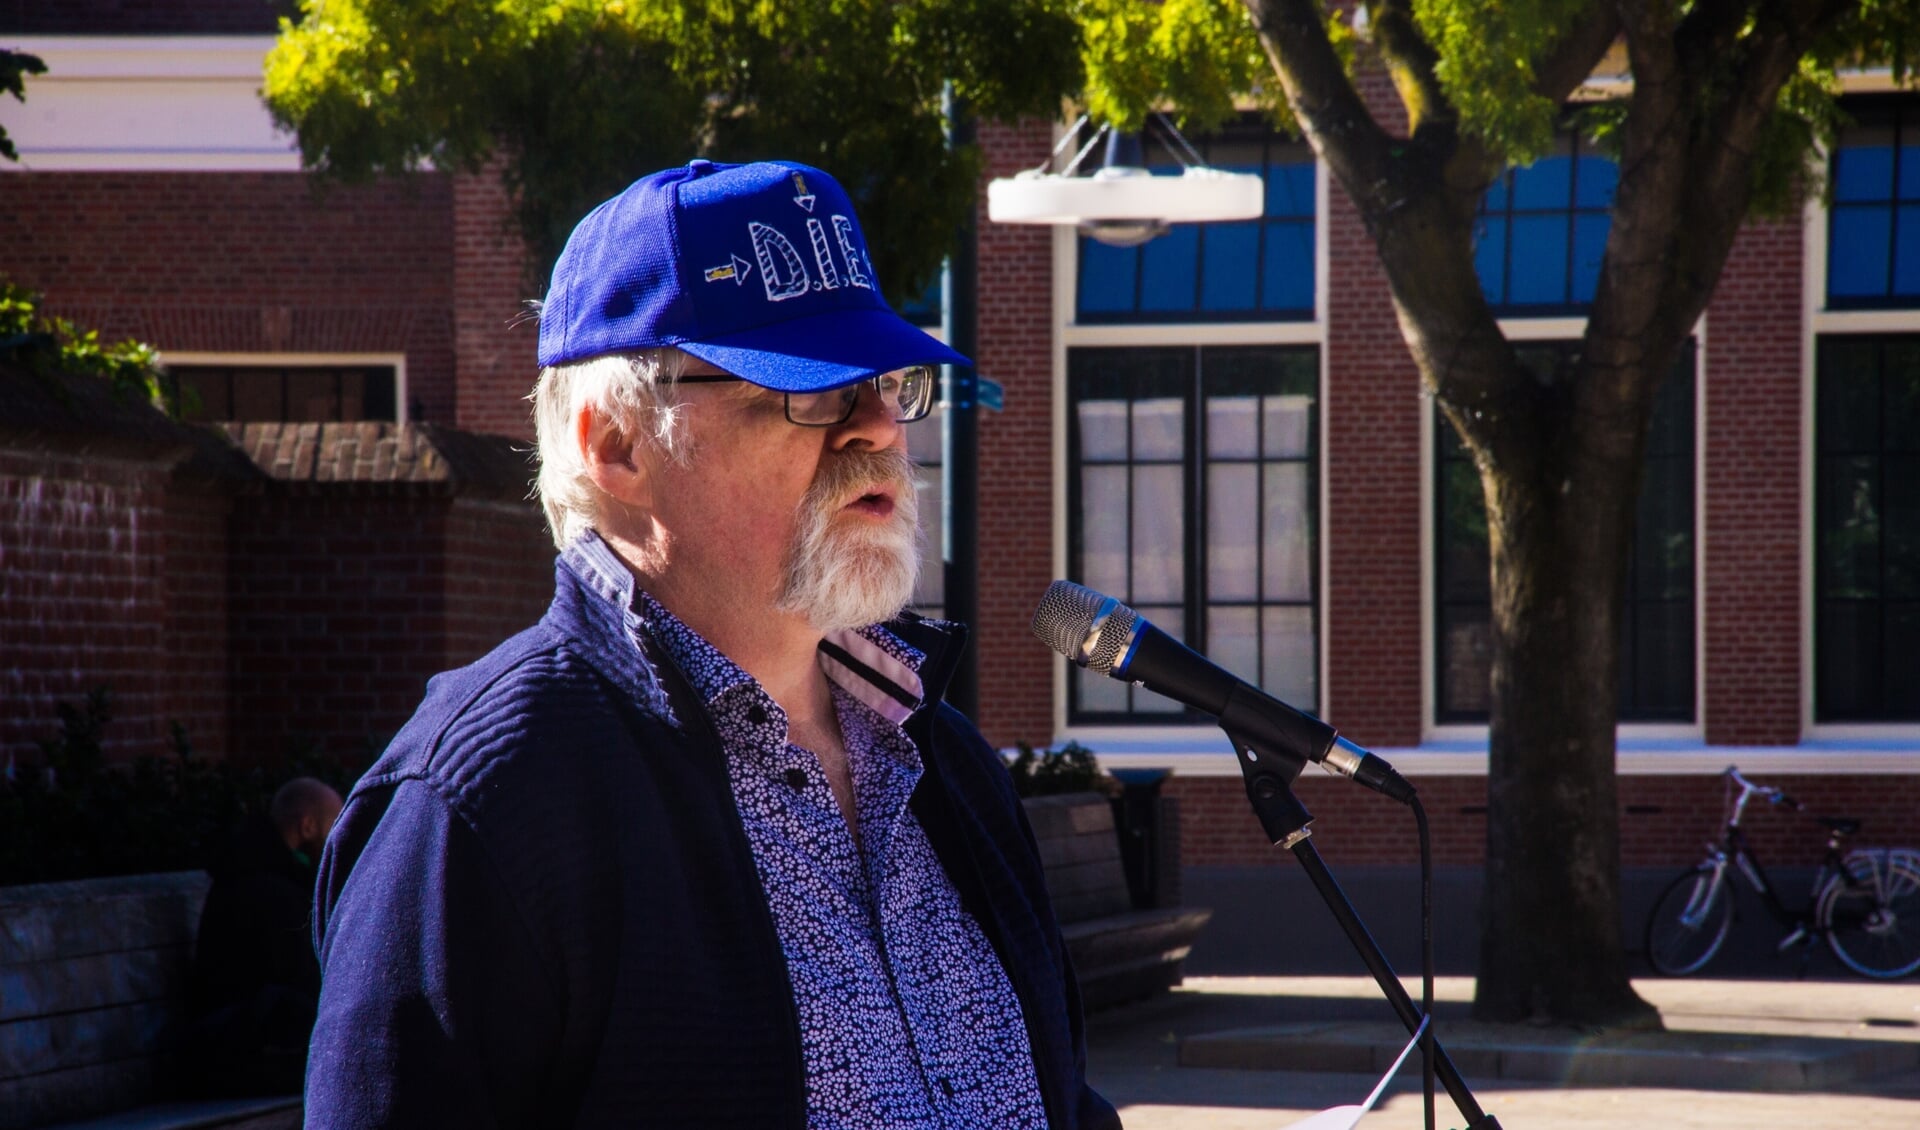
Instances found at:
x=1257 y=270
x=288 y=393
x=1193 y=499
x=1657 y=622
x=1867 y=523
x=1873 y=233
x=1543 y=231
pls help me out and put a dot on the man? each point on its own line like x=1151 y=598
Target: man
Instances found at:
x=255 y=983
x=704 y=848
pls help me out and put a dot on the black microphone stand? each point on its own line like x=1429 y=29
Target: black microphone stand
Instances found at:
x=1270 y=774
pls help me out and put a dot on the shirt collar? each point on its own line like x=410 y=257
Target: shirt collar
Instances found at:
x=876 y=667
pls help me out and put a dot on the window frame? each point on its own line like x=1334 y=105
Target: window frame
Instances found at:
x=1195 y=461
x=402 y=399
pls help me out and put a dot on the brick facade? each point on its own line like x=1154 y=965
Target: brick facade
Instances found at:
x=494 y=341
x=245 y=263
x=1751 y=535
x=1016 y=452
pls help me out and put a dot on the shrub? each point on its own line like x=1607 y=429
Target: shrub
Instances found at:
x=1069 y=769
x=70 y=815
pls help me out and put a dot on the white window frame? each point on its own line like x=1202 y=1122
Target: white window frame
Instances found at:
x=396 y=361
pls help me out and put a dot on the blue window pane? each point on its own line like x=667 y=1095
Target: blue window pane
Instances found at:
x=1290 y=190
x=1863 y=172
x=1597 y=177
x=1906 y=252
x=1857 y=253
x=1232 y=266
x=1547 y=183
x=1910 y=172
x=1490 y=259
x=1287 y=275
x=1167 y=269
x=1539 y=261
x=1106 y=277
x=1589 y=247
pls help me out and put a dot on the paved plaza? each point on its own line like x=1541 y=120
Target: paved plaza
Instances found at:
x=1135 y=1055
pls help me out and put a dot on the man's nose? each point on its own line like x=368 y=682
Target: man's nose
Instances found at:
x=872 y=423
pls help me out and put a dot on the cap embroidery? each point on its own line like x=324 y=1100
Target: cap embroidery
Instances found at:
x=738 y=270
x=800 y=194
x=767 y=241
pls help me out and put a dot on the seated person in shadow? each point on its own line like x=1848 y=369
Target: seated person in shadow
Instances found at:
x=255 y=979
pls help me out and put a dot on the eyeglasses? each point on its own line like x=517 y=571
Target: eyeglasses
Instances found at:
x=908 y=393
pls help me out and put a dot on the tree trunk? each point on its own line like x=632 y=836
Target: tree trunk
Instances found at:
x=1560 y=519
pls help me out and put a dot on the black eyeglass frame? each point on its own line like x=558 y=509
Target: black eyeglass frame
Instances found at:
x=906 y=414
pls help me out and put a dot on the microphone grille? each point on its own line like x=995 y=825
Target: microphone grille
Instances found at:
x=1065 y=619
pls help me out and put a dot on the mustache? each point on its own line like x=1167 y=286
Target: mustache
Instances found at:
x=853 y=473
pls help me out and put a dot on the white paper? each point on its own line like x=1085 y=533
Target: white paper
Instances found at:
x=1346 y=1117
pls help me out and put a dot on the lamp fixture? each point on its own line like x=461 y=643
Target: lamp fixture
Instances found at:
x=1122 y=203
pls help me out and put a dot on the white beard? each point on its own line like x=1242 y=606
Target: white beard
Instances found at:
x=843 y=574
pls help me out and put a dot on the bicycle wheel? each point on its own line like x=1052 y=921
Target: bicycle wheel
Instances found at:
x=1690 y=921
x=1871 y=914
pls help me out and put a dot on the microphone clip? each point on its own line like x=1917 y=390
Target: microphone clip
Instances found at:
x=1273 y=743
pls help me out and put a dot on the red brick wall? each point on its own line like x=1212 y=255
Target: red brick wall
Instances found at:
x=498 y=574
x=82 y=600
x=1664 y=821
x=195 y=639
x=1016 y=452
x=495 y=362
x=244 y=262
x=338 y=615
x=1370 y=596
x=1752 y=466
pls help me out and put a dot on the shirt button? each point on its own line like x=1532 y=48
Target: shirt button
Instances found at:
x=757 y=714
x=797 y=779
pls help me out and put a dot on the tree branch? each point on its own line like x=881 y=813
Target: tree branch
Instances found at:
x=1566 y=64
x=1324 y=101
x=1411 y=63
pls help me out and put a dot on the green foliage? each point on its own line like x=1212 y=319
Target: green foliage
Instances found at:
x=581 y=97
x=1486 y=67
x=47 y=345
x=1196 y=59
x=70 y=815
x=15 y=66
x=1069 y=769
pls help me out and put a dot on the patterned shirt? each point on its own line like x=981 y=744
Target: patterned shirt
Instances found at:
x=906 y=1017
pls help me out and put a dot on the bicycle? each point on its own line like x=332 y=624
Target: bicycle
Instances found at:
x=1865 y=903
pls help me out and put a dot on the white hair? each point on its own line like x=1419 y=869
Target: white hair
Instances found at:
x=635 y=391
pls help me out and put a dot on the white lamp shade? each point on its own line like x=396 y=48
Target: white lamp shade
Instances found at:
x=1197 y=195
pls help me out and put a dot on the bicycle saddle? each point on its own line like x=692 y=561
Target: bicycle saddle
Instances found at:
x=1844 y=825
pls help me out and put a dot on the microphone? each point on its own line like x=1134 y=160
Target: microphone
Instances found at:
x=1098 y=632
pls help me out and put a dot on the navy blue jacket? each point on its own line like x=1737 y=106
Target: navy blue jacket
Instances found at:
x=539 y=907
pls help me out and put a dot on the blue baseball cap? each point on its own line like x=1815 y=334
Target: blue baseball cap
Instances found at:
x=759 y=269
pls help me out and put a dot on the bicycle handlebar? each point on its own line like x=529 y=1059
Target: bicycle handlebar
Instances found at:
x=1773 y=795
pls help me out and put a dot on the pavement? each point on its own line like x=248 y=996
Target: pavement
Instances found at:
x=1277 y=1020
x=1814 y=1054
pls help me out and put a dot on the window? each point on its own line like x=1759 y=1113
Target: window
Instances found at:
x=1867 y=529
x=1256 y=270
x=1193 y=499
x=1873 y=228
x=924 y=442
x=1543 y=231
x=1657 y=621
x=287 y=393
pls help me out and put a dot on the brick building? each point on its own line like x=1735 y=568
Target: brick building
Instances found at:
x=1222 y=427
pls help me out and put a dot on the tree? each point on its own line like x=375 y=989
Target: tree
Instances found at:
x=15 y=66
x=581 y=97
x=1726 y=102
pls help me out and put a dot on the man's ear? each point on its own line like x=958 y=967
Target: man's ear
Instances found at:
x=612 y=461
